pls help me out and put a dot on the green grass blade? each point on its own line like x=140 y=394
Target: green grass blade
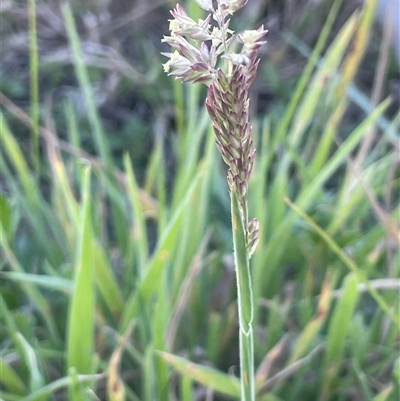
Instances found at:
x=7 y=319
x=41 y=280
x=179 y=104
x=209 y=377
x=10 y=379
x=76 y=390
x=74 y=137
x=84 y=82
x=5 y=396
x=18 y=161
x=31 y=291
x=162 y=313
x=34 y=81
x=385 y=394
x=396 y=374
x=187 y=393
x=363 y=380
x=139 y=220
x=105 y=280
x=57 y=385
x=81 y=309
x=337 y=332
x=31 y=361
x=150 y=384
x=341 y=318
x=6 y=217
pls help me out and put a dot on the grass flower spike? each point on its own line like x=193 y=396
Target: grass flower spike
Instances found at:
x=198 y=49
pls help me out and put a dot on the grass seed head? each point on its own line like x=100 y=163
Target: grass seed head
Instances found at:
x=198 y=45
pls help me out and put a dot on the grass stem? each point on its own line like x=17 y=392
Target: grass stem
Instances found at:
x=245 y=299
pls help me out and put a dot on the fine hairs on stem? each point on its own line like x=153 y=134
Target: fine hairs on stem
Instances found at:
x=197 y=48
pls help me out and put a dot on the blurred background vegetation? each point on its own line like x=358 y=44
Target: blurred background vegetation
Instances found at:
x=117 y=278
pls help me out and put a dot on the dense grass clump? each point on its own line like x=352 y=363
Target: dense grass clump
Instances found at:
x=117 y=281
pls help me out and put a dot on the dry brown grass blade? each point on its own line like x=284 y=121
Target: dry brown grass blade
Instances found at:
x=290 y=370
x=115 y=386
x=361 y=39
x=383 y=216
x=378 y=284
x=265 y=368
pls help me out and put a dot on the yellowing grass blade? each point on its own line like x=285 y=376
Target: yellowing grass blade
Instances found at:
x=115 y=386
x=312 y=329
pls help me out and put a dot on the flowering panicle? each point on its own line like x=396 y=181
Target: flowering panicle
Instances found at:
x=197 y=48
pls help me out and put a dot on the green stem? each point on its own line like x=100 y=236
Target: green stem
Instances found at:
x=245 y=297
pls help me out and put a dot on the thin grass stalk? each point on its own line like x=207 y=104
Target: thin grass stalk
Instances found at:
x=245 y=299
